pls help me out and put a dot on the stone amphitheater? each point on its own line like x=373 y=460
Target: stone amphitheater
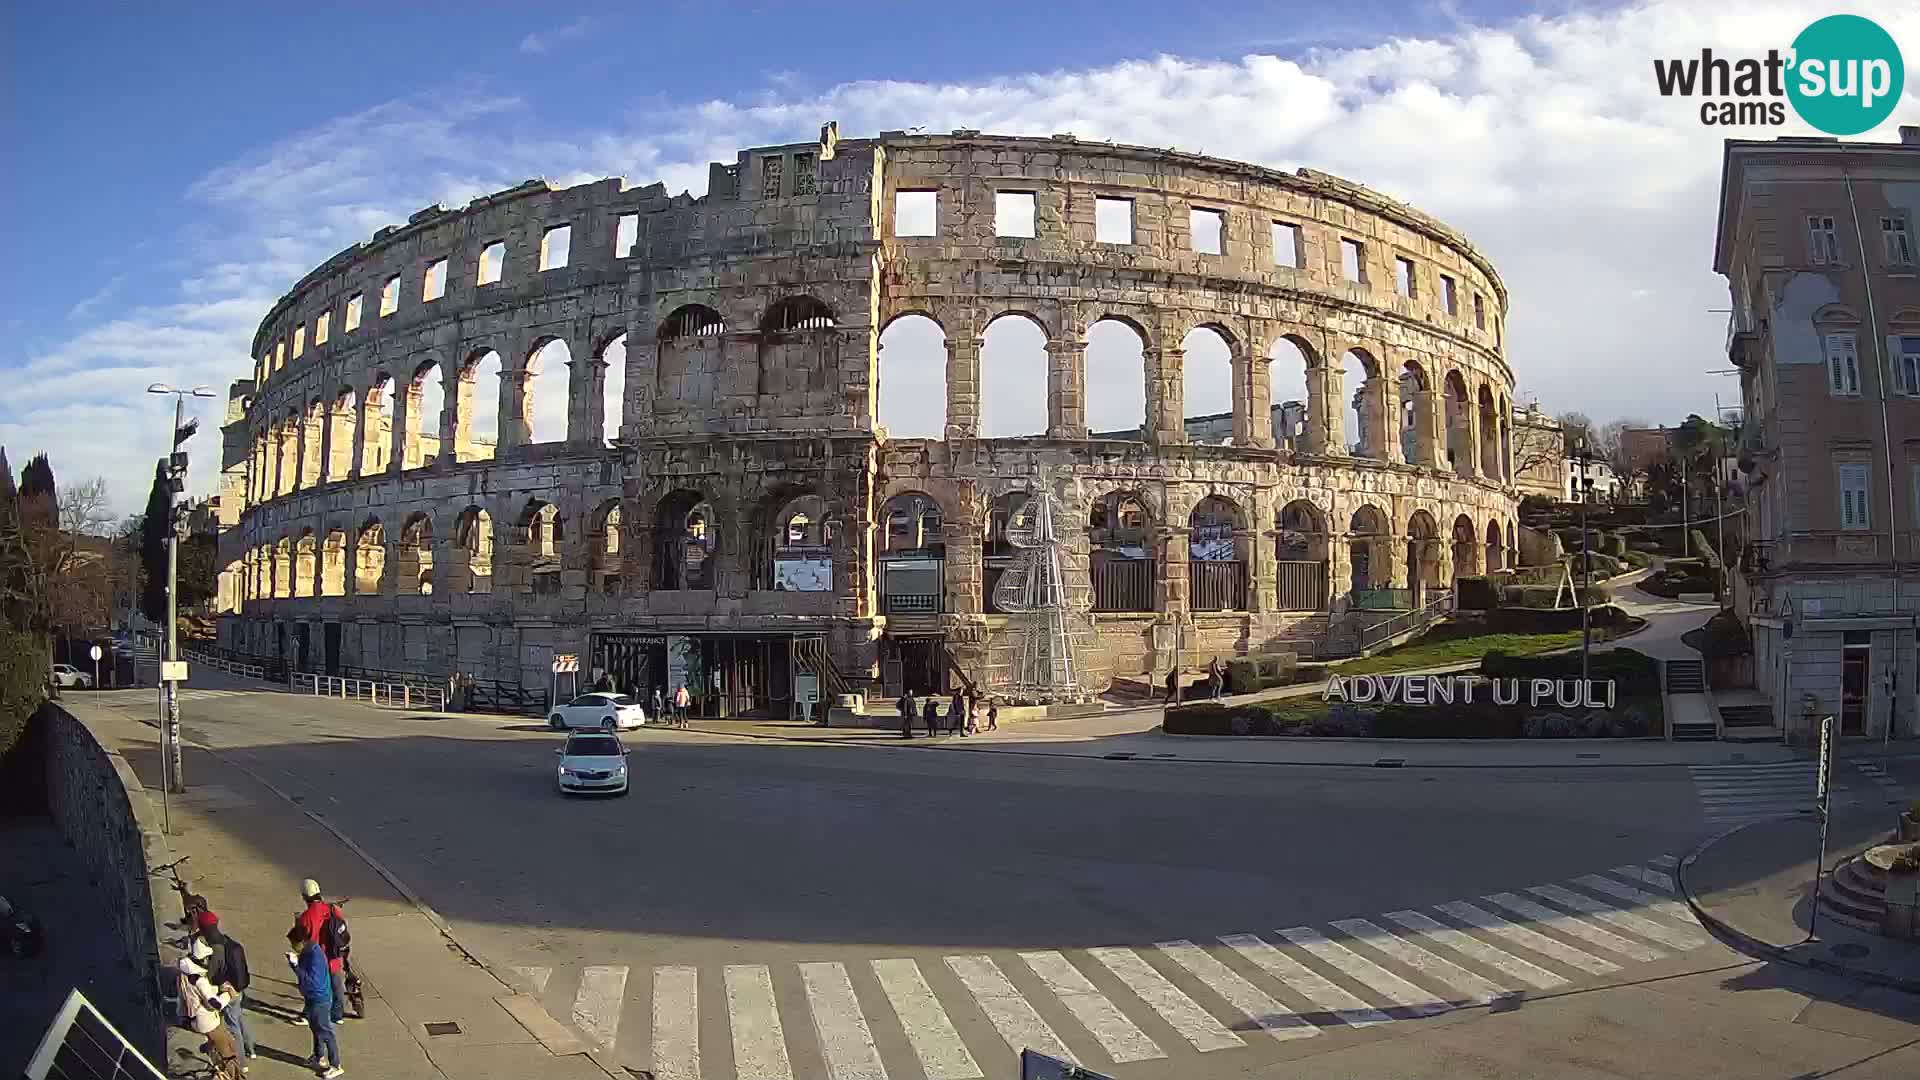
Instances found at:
x=651 y=430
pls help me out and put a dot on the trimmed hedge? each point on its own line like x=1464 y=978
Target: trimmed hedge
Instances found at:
x=1613 y=544
x=1246 y=674
x=1635 y=673
x=1703 y=549
x=1476 y=593
x=1481 y=719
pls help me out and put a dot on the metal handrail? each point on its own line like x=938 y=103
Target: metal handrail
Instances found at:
x=1411 y=620
x=380 y=694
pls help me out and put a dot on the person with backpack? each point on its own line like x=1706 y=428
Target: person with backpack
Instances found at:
x=309 y=964
x=327 y=928
x=227 y=970
x=905 y=705
x=201 y=1006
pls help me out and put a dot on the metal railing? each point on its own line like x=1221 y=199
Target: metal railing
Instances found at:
x=1216 y=585
x=1300 y=584
x=1432 y=609
x=495 y=696
x=382 y=694
x=1123 y=585
x=1381 y=600
x=223 y=663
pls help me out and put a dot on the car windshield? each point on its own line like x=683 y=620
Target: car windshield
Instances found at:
x=620 y=699
x=593 y=746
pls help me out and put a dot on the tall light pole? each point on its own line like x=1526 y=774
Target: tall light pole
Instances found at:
x=175 y=472
x=1584 y=488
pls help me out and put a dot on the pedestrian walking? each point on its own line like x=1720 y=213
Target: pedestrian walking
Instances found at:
x=309 y=964
x=659 y=705
x=200 y=1008
x=930 y=712
x=1216 y=678
x=973 y=714
x=326 y=927
x=993 y=715
x=1173 y=686
x=905 y=705
x=681 y=699
x=956 y=716
x=227 y=970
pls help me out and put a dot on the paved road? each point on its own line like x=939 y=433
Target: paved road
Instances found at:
x=759 y=908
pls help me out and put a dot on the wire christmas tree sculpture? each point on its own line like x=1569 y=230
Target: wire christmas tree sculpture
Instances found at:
x=1033 y=590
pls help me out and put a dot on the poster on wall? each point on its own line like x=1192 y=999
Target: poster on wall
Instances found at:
x=803 y=569
x=683 y=663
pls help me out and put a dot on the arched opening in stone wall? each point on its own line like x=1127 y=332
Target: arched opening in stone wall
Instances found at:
x=799 y=352
x=1460 y=449
x=536 y=556
x=1120 y=552
x=1496 y=553
x=613 y=388
x=283 y=568
x=912 y=555
x=793 y=541
x=342 y=428
x=1367 y=538
x=1206 y=382
x=1416 y=440
x=472 y=569
x=997 y=553
x=1114 y=380
x=312 y=427
x=1217 y=556
x=306 y=554
x=1506 y=439
x=1466 y=548
x=333 y=564
x=1013 y=378
x=1423 y=556
x=1300 y=557
x=604 y=549
x=479 y=420
x=426 y=403
x=912 y=374
x=684 y=542
x=691 y=352
x=414 y=556
x=370 y=559
x=1288 y=361
x=544 y=393
x=376 y=428
x=1489 y=437
x=1365 y=418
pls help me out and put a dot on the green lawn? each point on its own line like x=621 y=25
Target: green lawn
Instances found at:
x=1428 y=653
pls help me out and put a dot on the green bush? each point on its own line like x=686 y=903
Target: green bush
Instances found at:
x=1243 y=676
x=1476 y=593
x=1569 y=538
x=1701 y=549
x=1595 y=595
x=1246 y=674
x=23 y=686
x=1721 y=636
x=1480 y=719
x=1643 y=542
x=1517 y=620
x=1613 y=544
x=1634 y=673
x=1636 y=558
x=1532 y=596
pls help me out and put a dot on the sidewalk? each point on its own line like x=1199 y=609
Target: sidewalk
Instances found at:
x=1752 y=885
x=250 y=847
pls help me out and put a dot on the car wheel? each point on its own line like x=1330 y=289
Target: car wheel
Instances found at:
x=556 y=723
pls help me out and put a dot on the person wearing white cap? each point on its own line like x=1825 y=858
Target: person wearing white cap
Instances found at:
x=322 y=923
x=200 y=1005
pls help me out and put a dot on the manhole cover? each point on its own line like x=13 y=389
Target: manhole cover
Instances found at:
x=1389 y=762
x=1850 y=951
x=443 y=1027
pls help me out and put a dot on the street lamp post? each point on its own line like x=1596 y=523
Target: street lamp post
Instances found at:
x=1584 y=489
x=173 y=780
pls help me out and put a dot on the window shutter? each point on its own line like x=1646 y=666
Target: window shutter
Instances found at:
x=1853 y=496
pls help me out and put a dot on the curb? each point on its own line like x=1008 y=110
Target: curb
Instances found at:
x=1781 y=953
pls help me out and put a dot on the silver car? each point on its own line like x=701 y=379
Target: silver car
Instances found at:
x=593 y=762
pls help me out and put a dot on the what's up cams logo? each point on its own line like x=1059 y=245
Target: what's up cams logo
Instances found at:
x=1843 y=75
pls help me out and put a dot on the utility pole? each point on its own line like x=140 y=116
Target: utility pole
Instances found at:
x=1586 y=560
x=176 y=475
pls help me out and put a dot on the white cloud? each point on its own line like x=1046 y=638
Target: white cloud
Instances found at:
x=543 y=41
x=1542 y=139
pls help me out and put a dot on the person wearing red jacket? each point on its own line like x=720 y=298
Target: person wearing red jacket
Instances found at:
x=313 y=921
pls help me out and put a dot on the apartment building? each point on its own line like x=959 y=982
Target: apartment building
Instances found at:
x=1817 y=242
x=1540 y=463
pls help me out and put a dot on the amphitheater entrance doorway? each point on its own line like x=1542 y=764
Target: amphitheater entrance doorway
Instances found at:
x=913 y=665
x=726 y=675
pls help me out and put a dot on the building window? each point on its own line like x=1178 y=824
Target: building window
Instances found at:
x=1906 y=361
x=556 y=244
x=1112 y=220
x=626 y=233
x=916 y=213
x=1404 y=280
x=434 y=285
x=280 y=354
x=1843 y=366
x=1853 y=496
x=353 y=315
x=1208 y=229
x=1449 y=295
x=1479 y=312
x=1823 y=241
x=320 y=328
x=1899 y=243
x=1353 y=261
x=771 y=171
x=493 y=259
x=1013 y=213
x=1286 y=244
x=390 y=296
x=803 y=173
x=299 y=340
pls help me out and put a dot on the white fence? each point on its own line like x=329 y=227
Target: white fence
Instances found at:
x=231 y=667
x=387 y=695
x=81 y=1045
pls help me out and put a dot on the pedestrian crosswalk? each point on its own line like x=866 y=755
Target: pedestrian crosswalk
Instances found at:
x=1739 y=793
x=1890 y=788
x=966 y=1016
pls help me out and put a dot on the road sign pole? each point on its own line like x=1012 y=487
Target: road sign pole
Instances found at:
x=1824 y=801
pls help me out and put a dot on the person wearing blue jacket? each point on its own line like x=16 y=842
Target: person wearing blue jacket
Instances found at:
x=309 y=965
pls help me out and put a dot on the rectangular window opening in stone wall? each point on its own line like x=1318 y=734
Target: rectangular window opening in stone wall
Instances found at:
x=916 y=213
x=352 y=322
x=299 y=340
x=434 y=285
x=1406 y=281
x=493 y=260
x=1112 y=220
x=320 y=328
x=1208 y=229
x=625 y=234
x=1449 y=295
x=803 y=174
x=556 y=244
x=1353 y=262
x=1479 y=312
x=1286 y=244
x=1013 y=213
x=390 y=296
x=772 y=170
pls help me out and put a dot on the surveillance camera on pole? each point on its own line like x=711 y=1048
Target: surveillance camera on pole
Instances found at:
x=172 y=671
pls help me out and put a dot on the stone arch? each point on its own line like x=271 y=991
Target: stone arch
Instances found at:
x=333 y=563
x=997 y=553
x=1461 y=451
x=414 y=556
x=1365 y=420
x=1218 y=553
x=1208 y=398
x=1466 y=548
x=1120 y=551
x=686 y=541
x=1425 y=556
x=605 y=547
x=1301 y=557
x=1114 y=378
x=313 y=425
x=306 y=554
x=912 y=522
x=1293 y=370
x=342 y=428
x=1014 y=391
x=691 y=352
x=376 y=425
x=477 y=421
x=1489 y=428
x=472 y=568
x=912 y=377
x=426 y=402
x=370 y=558
x=794 y=535
x=1368 y=534
x=798 y=351
x=1496 y=560
x=910 y=555
x=538 y=549
x=282 y=567
x=545 y=392
x=612 y=356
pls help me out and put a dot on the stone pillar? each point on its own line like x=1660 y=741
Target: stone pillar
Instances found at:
x=643 y=372
x=366 y=416
x=1171 y=573
x=1066 y=390
x=1166 y=396
x=963 y=387
x=1394 y=560
x=965 y=569
x=516 y=427
x=1259 y=394
x=400 y=446
x=1428 y=423
x=1471 y=423
x=323 y=468
x=1389 y=401
x=302 y=460
x=1326 y=411
x=589 y=402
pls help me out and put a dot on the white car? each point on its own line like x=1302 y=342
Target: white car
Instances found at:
x=70 y=677
x=592 y=762
x=598 y=710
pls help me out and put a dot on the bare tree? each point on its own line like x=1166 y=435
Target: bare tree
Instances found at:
x=1577 y=427
x=1537 y=446
x=58 y=565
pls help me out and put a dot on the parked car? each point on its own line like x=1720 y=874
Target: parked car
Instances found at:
x=599 y=709
x=69 y=677
x=593 y=762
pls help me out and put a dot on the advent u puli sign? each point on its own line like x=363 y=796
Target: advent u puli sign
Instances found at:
x=1448 y=689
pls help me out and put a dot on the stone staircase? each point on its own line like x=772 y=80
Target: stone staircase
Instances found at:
x=1686 y=677
x=1748 y=723
x=1855 y=894
x=1689 y=711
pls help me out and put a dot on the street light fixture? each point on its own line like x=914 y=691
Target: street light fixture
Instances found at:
x=174 y=468
x=1583 y=487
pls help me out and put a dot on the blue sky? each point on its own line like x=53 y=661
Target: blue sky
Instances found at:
x=172 y=169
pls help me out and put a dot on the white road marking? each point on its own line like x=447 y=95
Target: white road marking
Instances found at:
x=1528 y=938
x=1012 y=1015
x=942 y=1055
x=1467 y=944
x=1274 y=1018
x=535 y=978
x=845 y=1040
x=1395 y=989
x=1193 y=1023
x=1626 y=920
x=1573 y=927
x=676 y=1023
x=1308 y=983
x=1659 y=905
x=1664 y=861
x=1655 y=878
x=596 y=1008
x=1121 y=1039
x=759 y=1044
x=1477 y=989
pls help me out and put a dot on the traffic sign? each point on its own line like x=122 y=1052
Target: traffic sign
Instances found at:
x=564 y=662
x=1823 y=794
x=95 y=653
x=173 y=671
